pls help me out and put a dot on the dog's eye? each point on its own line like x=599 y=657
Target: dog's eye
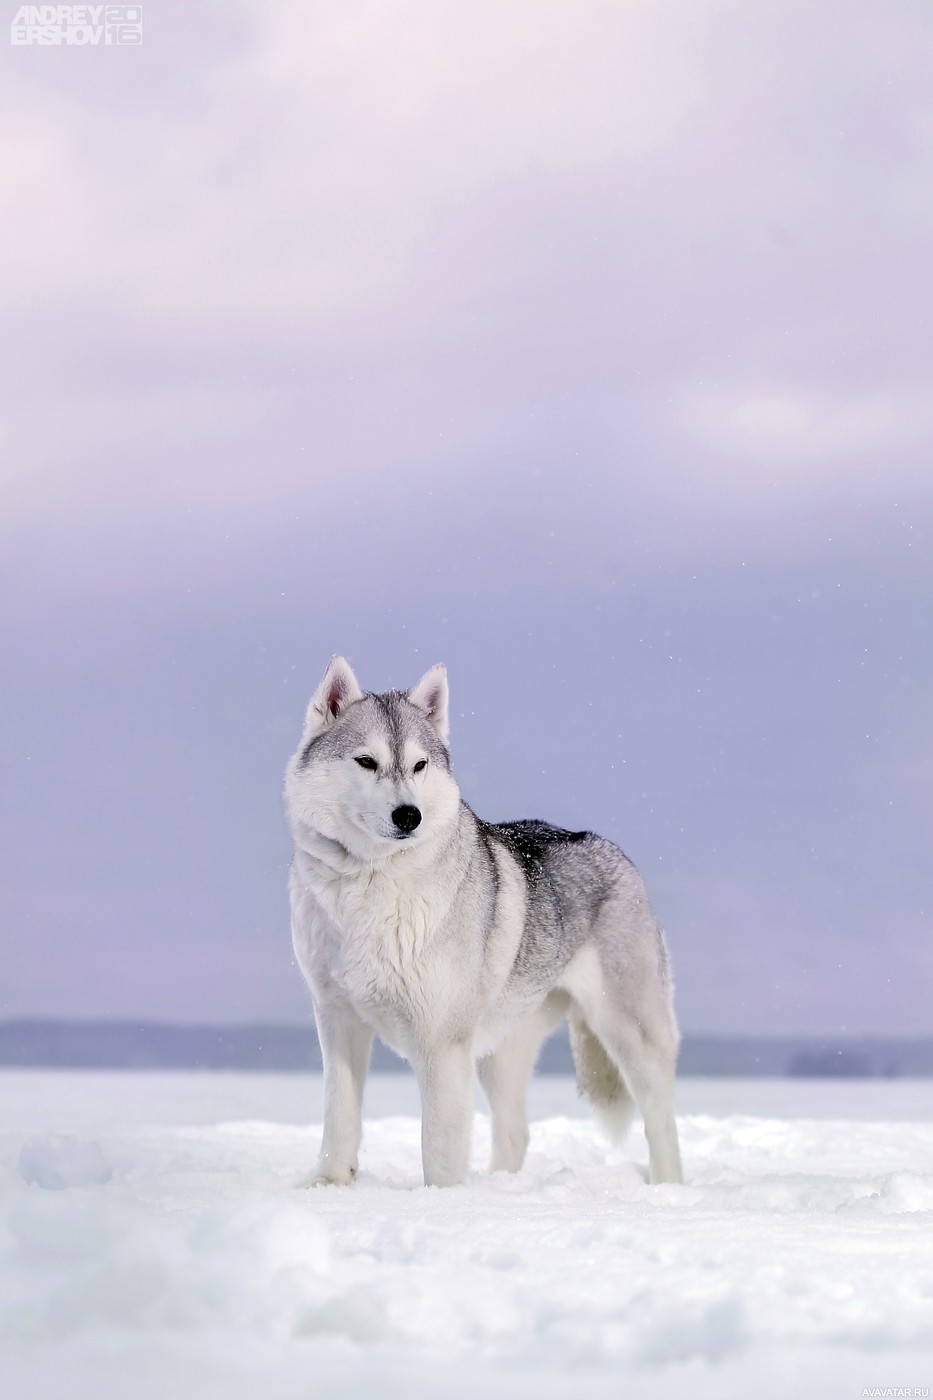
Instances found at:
x=368 y=763
x=420 y=765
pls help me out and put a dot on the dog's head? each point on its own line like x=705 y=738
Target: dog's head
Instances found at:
x=372 y=772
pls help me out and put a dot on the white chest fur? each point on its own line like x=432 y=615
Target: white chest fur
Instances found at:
x=381 y=936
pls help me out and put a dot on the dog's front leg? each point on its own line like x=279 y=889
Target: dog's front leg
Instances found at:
x=445 y=1076
x=346 y=1042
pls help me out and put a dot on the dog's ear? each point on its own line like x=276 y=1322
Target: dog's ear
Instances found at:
x=430 y=695
x=337 y=690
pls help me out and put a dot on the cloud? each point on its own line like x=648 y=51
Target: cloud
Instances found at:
x=798 y=433
x=385 y=233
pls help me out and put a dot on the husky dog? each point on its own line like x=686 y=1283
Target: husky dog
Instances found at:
x=461 y=943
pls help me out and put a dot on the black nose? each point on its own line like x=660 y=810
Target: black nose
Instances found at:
x=406 y=818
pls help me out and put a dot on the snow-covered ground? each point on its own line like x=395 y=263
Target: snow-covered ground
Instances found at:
x=153 y=1247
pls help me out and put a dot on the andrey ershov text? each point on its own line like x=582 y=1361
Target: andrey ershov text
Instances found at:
x=77 y=25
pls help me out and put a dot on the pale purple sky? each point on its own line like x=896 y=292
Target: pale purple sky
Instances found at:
x=583 y=346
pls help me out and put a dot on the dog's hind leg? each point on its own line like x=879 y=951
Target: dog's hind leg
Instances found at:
x=504 y=1075
x=647 y=1064
x=631 y=1020
x=648 y=1068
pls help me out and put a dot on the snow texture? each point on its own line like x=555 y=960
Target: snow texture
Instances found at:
x=153 y=1243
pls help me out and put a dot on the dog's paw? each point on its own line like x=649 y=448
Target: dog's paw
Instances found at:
x=329 y=1176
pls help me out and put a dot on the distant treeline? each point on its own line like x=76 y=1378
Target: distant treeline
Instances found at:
x=153 y=1045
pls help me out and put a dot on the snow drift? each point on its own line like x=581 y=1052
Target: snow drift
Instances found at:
x=152 y=1242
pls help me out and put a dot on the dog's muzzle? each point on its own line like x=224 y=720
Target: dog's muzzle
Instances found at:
x=406 y=819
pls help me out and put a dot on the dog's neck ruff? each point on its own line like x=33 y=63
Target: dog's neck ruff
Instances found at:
x=325 y=851
x=331 y=857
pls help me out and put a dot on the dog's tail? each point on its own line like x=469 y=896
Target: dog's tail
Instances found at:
x=599 y=1079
